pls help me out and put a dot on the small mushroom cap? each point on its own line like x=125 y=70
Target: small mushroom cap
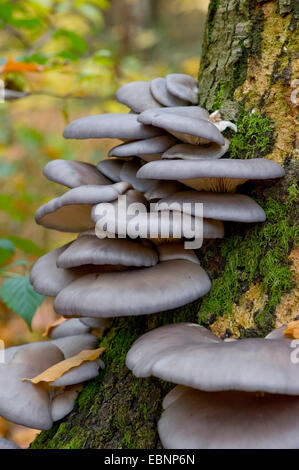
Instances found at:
x=5 y=444
x=204 y=174
x=64 y=403
x=192 y=112
x=183 y=86
x=229 y=420
x=128 y=174
x=111 y=168
x=152 y=146
x=73 y=174
x=72 y=345
x=182 y=127
x=80 y=374
x=162 y=287
x=197 y=152
x=71 y=211
x=46 y=278
x=22 y=402
x=171 y=251
x=115 y=126
x=161 y=94
x=251 y=364
x=137 y=96
x=89 y=249
x=69 y=328
x=98 y=323
x=221 y=206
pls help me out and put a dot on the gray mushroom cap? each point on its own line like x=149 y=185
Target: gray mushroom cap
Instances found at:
x=219 y=175
x=228 y=420
x=63 y=403
x=71 y=211
x=73 y=174
x=250 y=365
x=128 y=174
x=162 y=95
x=115 y=126
x=172 y=251
x=137 y=96
x=5 y=444
x=72 y=345
x=71 y=327
x=22 y=402
x=89 y=249
x=192 y=112
x=192 y=130
x=161 y=189
x=111 y=168
x=196 y=152
x=139 y=292
x=86 y=371
x=220 y=206
x=183 y=86
x=152 y=146
x=47 y=279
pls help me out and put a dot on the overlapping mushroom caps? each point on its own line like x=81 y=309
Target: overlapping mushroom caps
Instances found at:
x=231 y=394
x=40 y=381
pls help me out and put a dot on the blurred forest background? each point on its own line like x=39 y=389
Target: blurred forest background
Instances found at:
x=61 y=59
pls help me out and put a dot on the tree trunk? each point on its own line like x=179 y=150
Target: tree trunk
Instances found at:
x=247 y=68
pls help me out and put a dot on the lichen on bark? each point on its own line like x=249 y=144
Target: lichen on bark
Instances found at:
x=249 y=61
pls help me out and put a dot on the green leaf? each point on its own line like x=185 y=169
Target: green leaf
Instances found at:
x=77 y=43
x=18 y=294
x=6 y=250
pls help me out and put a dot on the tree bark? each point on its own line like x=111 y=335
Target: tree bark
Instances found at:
x=247 y=68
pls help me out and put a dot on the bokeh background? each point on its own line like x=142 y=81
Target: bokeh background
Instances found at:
x=61 y=59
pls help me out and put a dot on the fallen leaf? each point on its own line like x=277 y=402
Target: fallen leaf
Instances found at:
x=59 y=369
x=292 y=329
x=53 y=325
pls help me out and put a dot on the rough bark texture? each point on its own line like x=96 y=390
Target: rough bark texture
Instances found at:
x=248 y=64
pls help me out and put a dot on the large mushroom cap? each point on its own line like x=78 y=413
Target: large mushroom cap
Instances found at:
x=184 y=357
x=162 y=287
x=196 y=152
x=191 y=130
x=221 y=206
x=218 y=175
x=152 y=146
x=115 y=126
x=89 y=249
x=183 y=86
x=137 y=96
x=111 y=168
x=71 y=211
x=228 y=420
x=162 y=95
x=73 y=174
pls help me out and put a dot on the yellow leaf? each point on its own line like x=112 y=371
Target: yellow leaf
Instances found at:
x=59 y=369
x=53 y=325
x=292 y=329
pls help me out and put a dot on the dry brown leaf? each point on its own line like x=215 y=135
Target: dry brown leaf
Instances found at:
x=292 y=329
x=53 y=325
x=59 y=369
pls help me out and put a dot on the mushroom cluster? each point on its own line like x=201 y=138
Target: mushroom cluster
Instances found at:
x=169 y=160
x=39 y=382
x=230 y=394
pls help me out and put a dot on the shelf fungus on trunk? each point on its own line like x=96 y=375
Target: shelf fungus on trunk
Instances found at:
x=230 y=394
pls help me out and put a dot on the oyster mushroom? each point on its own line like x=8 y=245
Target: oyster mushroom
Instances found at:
x=111 y=168
x=71 y=211
x=147 y=149
x=115 y=126
x=220 y=206
x=222 y=175
x=162 y=95
x=73 y=174
x=137 y=96
x=183 y=87
x=196 y=152
x=221 y=405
